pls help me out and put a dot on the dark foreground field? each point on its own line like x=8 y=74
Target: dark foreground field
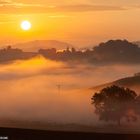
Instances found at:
x=27 y=134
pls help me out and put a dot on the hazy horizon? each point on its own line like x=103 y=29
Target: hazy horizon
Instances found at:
x=25 y=44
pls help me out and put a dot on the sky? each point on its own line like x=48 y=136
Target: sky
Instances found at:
x=80 y=22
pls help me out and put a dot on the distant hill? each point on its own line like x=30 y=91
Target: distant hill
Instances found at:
x=129 y=82
x=42 y=44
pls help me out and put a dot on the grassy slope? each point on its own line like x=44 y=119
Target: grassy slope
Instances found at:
x=129 y=82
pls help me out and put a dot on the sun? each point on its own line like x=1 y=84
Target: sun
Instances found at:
x=25 y=25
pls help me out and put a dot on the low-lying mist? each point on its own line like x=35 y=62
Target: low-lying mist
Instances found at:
x=50 y=91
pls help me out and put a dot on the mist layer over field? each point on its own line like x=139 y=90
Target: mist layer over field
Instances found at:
x=50 y=91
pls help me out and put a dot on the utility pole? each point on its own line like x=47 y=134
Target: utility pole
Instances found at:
x=59 y=88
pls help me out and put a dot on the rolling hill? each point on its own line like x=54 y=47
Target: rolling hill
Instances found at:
x=129 y=82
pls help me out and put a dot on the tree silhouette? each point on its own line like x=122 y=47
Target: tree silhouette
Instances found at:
x=114 y=103
x=137 y=105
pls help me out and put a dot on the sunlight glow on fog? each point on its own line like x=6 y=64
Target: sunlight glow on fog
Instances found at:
x=29 y=89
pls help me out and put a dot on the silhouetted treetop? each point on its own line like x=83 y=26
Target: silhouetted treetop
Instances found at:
x=117 y=51
x=118 y=43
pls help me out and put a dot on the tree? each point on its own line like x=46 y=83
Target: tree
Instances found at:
x=137 y=105
x=114 y=103
x=73 y=50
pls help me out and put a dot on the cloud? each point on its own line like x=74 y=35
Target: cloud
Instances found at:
x=85 y=8
x=6 y=22
x=5 y=2
x=12 y=7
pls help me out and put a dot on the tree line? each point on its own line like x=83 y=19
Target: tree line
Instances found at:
x=112 y=51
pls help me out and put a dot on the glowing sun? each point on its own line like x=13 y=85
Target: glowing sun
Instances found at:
x=25 y=25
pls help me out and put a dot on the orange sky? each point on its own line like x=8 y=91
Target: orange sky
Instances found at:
x=81 y=22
